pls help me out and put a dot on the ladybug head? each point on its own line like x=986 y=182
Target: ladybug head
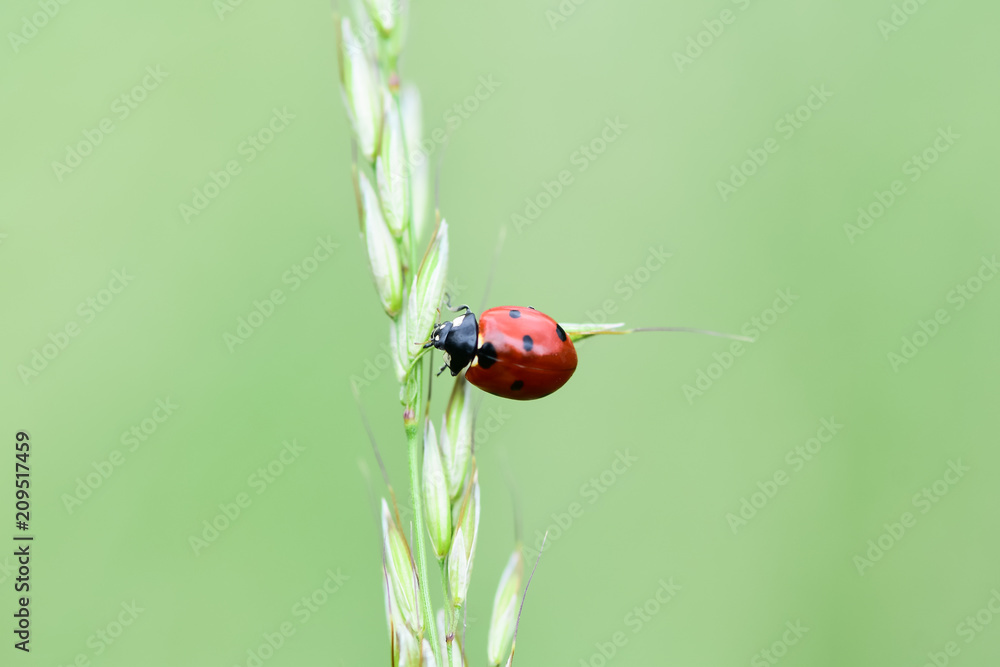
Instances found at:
x=458 y=339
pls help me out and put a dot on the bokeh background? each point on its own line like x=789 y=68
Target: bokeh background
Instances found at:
x=900 y=93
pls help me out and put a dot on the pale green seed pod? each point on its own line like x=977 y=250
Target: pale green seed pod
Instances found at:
x=394 y=618
x=428 y=655
x=361 y=88
x=397 y=343
x=409 y=649
x=463 y=545
x=417 y=159
x=456 y=436
x=437 y=503
x=401 y=572
x=390 y=18
x=383 y=14
x=458 y=569
x=383 y=255
x=427 y=291
x=504 y=619
x=392 y=174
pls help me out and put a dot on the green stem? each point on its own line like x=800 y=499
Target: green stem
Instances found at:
x=413 y=421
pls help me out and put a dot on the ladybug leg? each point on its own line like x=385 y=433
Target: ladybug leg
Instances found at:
x=442 y=369
x=447 y=304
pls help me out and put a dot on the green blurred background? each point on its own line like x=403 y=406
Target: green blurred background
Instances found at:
x=694 y=457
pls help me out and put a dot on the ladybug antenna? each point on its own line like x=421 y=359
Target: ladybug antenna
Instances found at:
x=447 y=304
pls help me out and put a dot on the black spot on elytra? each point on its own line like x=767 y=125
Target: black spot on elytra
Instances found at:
x=487 y=355
x=514 y=313
x=528 y=343
x=560 y=333
x=517 y=385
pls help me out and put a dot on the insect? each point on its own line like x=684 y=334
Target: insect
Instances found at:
x=511 y=351
x=517 y=352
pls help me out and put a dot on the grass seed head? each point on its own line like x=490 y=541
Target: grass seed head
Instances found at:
x=505 y=604
x=456 y=436
x=361 y=88
x=428 y=655
x=392 y=174
x=409 y=649
x=383 y=14
x=437 y=503
x=401 y=572
x=416 y=158
x=463 y=545
x=397 y=345
x=383 y=255
x=427 y=291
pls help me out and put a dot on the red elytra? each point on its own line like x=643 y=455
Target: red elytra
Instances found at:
x=512 y=351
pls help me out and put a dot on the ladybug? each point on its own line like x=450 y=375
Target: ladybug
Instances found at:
x=512 y=351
